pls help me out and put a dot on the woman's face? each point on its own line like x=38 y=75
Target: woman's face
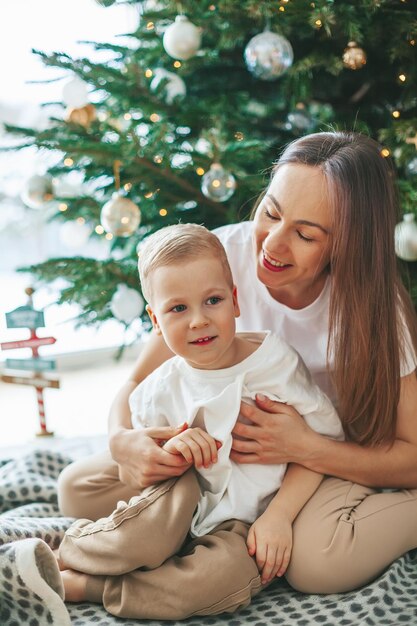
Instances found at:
x=292 y=235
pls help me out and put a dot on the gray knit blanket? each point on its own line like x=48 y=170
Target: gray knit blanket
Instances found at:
x=31 y=592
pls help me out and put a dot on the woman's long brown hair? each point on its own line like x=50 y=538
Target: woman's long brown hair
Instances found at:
x=368 y=303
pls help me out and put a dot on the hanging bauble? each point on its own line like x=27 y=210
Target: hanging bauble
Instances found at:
x=182 y=38
x=406 y=238
x=120 y=216
x=38 y=191
x=75 y=93
x=299 y=119
x=354 y=57
x=172 y=85
x=83 y=116
x=411 y=167
x=74 y=233
x=268 y=55
x=105 y=3
x=126 y=304
x=218 y=184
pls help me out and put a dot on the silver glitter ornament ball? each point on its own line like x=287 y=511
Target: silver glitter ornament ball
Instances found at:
x=120 y=216
x=38 y=191
x=268 y=55
x=218 y=184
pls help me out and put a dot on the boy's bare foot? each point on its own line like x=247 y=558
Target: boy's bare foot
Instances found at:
x=75 y=584
x=61 y=566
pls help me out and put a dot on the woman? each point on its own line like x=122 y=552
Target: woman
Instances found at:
x=316 y=265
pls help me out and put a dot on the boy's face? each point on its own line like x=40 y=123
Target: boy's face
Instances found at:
x=194 y=308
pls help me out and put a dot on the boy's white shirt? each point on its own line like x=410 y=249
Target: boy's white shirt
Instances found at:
x=210 y=399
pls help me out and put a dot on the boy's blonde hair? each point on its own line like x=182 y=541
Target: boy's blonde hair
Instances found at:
x=179 y=243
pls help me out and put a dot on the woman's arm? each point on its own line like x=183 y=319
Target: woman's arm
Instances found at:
x=279 y=435
x=142 y=462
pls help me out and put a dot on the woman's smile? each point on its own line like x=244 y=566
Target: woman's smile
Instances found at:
x=273 y=264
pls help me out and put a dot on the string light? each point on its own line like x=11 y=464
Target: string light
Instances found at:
x=154 y=117
x=62 y=206
x=157 y=158
x=212 y=7
x=68 y=162
x=385 y=152
x=149 y=73
x=149 y=195
x=80 y=220
x=99 y=229
x=402 y=78
x=396 y=114
x=200 y=171
x=127 y=186
x=163 y=212
x=412 y=42
x=109 y=236
x=127 y=116
x=150 y=25
x=318 y=23
x=177 y=64
x=282 y=9
x=239 y=136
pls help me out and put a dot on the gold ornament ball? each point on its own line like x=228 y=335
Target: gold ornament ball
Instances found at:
x=120 y=216
x=354 y=57
x=83 y=116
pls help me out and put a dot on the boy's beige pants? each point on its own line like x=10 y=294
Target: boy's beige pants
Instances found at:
x=178 y=576
x=345 y=536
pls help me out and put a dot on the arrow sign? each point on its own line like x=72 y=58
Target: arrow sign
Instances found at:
x=35 y=382
x=39 y=365
x=27 y=343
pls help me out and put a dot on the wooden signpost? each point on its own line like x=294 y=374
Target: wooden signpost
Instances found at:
x=28 y=317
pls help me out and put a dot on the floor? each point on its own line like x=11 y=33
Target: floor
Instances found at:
x=76 y=413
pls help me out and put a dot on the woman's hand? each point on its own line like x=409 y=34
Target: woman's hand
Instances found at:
x=141 y=459
x=277 y=434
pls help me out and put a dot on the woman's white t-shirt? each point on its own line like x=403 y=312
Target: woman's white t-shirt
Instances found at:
x=304 y=329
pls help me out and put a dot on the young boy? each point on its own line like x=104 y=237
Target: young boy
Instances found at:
x=231 y=522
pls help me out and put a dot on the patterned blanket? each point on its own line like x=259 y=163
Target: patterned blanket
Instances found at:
x=31 y=592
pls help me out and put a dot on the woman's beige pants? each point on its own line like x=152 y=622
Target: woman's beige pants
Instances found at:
x=345 y=536
x=143 y=564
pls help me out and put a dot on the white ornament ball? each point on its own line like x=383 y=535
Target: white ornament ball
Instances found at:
x=74 y=234
x=126 y=304
x=268 y=55
x=218 y=184
x=120 y=216
x=75 y=93
x=299 y=120
x=411 y=167
x=406 y=238
x=182 y=38
x=173 y=85
x=38 y=191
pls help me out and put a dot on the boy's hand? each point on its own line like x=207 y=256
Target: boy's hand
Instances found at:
x=270 y=539
x=195 y=445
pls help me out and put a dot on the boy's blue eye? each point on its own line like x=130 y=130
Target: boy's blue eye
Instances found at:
x=214 y=300
x=179 y=308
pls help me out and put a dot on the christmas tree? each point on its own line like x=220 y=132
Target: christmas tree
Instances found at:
x=184 y=123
